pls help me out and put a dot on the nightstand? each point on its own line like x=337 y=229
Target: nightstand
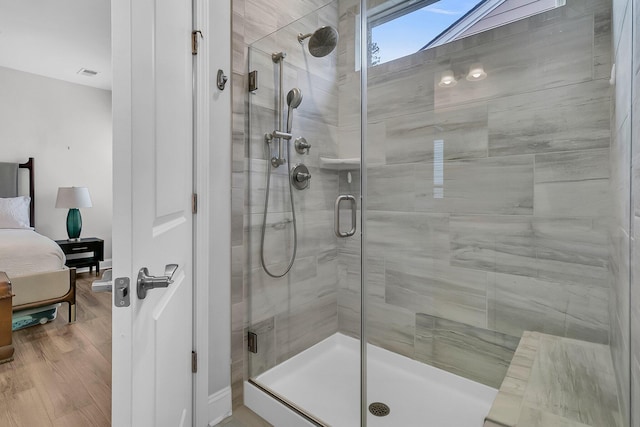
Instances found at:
x=86 y=252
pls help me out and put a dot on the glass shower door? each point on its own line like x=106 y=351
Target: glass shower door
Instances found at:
x=488 y=205
x=302 y=261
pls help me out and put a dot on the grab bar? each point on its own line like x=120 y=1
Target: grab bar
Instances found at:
x=336 y=215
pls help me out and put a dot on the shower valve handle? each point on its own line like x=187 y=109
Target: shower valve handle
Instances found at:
x=302 y=176
x=301 y=145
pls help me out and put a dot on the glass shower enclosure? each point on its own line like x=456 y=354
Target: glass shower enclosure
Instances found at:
x=412 y=211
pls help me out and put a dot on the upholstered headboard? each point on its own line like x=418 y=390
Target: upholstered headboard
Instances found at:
x=9 y=183
x=8 y=179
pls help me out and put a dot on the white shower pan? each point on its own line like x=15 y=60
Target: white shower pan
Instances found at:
x=324 y=380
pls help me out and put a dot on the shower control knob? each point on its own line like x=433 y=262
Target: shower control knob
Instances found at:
x=300 y=176
x=301 y=145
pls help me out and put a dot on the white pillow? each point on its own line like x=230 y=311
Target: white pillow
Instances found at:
x=14 y=212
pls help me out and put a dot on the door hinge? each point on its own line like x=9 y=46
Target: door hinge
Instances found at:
x=253 y=81
x=252 y=341
x=194 y=362
x=194 y=41
x=194 y=203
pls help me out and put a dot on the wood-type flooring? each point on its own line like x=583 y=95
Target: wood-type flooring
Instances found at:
x=61 y=375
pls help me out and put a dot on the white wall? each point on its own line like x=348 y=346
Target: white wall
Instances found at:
x=67 y=129
x=219 y=200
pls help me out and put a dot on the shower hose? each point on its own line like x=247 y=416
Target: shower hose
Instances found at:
x=264 y=220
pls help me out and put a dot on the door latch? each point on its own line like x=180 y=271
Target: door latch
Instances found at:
x=121 y=292
x=147 y=282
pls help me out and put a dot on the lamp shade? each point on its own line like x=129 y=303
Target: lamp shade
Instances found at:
x=73 y=198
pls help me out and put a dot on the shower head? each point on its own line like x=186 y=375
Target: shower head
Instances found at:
x=322 y=41
x=294 y=98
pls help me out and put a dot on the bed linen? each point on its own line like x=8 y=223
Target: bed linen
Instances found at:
x=24 y=252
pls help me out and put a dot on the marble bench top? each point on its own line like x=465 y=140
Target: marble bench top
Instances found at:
x=554 y=381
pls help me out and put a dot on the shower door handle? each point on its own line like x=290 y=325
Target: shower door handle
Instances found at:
x=336 y=215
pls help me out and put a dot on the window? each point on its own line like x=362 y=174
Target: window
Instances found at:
x=399 y=33
x=401 y=28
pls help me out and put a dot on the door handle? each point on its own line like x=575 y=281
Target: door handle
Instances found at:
x=147 y=282
x=336 y=215
x=105 y=284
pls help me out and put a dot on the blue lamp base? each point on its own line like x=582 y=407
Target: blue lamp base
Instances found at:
x=74 y=224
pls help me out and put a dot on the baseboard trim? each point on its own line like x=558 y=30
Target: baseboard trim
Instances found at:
x=106 y=264
x=219 y=406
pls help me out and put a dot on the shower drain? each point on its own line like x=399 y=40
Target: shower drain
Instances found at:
x=379 y=409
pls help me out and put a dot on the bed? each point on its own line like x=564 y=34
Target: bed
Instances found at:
x=32 y=267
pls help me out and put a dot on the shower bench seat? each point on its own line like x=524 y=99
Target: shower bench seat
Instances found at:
x=555 y=381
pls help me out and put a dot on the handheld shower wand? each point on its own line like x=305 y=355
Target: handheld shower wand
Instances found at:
x=294 y=98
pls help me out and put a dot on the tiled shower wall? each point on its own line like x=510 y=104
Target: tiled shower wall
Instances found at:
x=292 y=313
x=285 y=326
x=517 y=242
x=515 y=237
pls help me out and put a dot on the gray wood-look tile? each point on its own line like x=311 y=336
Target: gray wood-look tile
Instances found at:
x=401 y=235
x=573 y=166
x=563 y=378
x=502 y=244
x=531 y=417
x=410 y=88
x=315 y=236
x=581 y=198
x=480 y=186
x=437 y=289
x=349 y=312
x=546 y=57
x=520 y=125
x=410 y=137
x=265 y=358
x=602 y=44
x=475 y=353
x=518 y=303
x=303 y=325
x=554 y=381
x=309 y=278
x=391 y=327
x=390 y=188
x=572 y=250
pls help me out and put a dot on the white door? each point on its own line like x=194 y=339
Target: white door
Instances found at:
x=152 y=224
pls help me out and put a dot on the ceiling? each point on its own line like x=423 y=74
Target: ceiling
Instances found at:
x=56 y=38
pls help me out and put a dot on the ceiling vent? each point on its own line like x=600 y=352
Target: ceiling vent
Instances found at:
x=86 y=72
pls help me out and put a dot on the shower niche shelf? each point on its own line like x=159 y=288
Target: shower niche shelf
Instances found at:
x=342 y=164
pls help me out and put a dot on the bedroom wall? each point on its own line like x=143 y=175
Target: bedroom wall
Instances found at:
x=67 y=129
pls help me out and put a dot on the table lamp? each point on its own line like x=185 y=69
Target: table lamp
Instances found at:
x=73 y=198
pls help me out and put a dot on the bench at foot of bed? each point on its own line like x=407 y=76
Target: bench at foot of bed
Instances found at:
x=43 y=289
